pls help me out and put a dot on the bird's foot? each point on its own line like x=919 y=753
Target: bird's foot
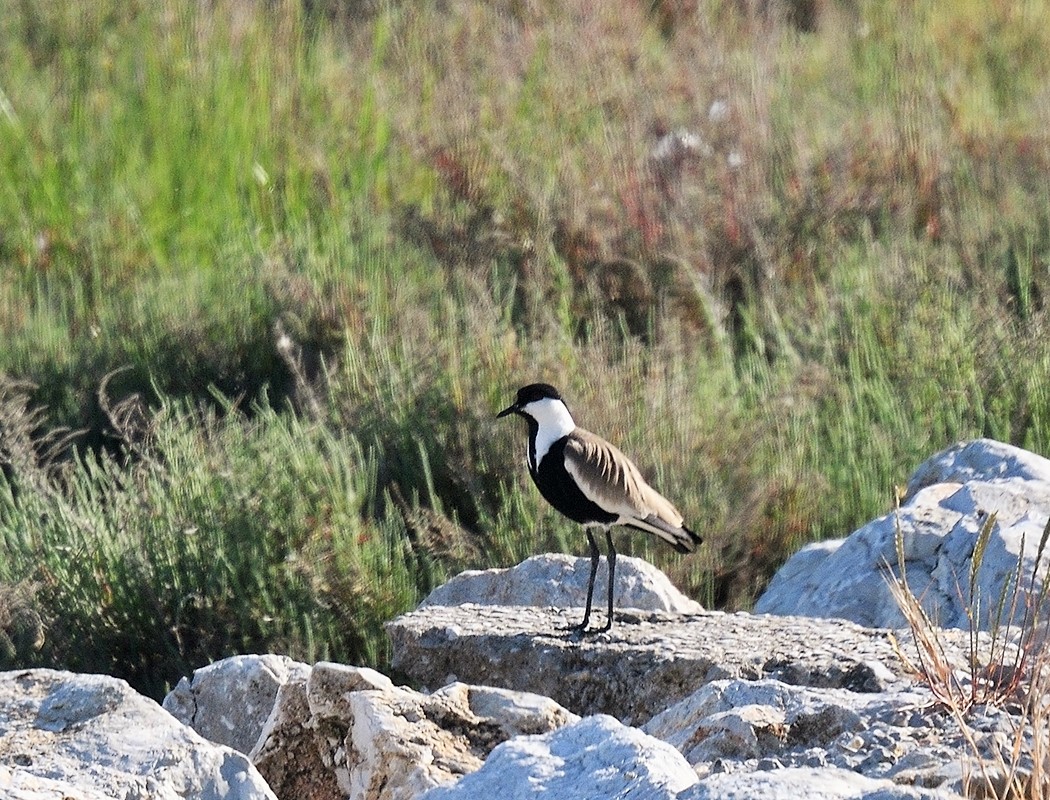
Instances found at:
x=581 y=630
x=604 y=628
x=578 y=628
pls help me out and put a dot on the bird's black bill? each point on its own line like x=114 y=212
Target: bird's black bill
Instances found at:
x=508 y=410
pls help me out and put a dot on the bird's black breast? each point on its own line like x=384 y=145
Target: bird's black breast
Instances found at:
x=560 y=490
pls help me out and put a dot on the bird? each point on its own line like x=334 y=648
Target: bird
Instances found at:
x=592 y=482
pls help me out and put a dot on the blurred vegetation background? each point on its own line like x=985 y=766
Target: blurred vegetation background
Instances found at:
x=268 y=269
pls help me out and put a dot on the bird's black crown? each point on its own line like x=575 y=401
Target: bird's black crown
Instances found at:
x=529 y=394
x=536 y=391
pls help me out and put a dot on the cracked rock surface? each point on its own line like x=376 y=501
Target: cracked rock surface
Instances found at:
x=756 y=705
x=760 y=726
x=647 y=662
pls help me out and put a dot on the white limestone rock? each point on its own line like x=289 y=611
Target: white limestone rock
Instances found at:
x=300 y=751
x=595 y=757
x=827 y=783
x=979 y=460
x=647 y=662
x=555 y=579
x=348 y=732
x=798 y=569
x=288 y=755
x=898 y=735
x=741 y=720
x=228 y=702
x=18 y=784
x=92 y=736
x=401 y=743
x=336 y=731
x=948 y=500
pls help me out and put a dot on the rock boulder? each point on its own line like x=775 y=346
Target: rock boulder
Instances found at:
x=92 y=736
x=229 y=701
x=948 y=500
x=301 y=749
x=554 y=579
x=595 y=757
x=401 y=743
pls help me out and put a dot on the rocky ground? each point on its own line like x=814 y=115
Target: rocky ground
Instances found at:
x=674 y=702
x=647 y=662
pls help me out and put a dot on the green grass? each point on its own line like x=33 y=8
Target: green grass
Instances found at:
x=323 y=244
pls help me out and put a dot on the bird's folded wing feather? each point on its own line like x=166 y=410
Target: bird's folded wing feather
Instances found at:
x=612 y=481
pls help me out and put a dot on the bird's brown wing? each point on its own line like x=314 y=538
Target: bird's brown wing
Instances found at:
x=612 y=481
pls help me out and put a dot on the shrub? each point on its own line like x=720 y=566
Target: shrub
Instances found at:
x=1009 y=667
x=214 y=535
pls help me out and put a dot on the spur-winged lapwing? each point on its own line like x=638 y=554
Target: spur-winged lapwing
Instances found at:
x=592 y=482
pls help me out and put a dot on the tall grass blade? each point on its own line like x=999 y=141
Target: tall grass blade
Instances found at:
x=977 y=559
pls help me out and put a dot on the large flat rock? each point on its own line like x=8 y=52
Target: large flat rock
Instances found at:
x=648 y=661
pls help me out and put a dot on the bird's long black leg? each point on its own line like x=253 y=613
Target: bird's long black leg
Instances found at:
x=611 y=558
x=590 y=581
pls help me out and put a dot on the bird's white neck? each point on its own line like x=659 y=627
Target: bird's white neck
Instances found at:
x=553 y=421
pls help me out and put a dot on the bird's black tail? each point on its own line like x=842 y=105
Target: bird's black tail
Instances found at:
x=680 y=538
x=688 y=541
